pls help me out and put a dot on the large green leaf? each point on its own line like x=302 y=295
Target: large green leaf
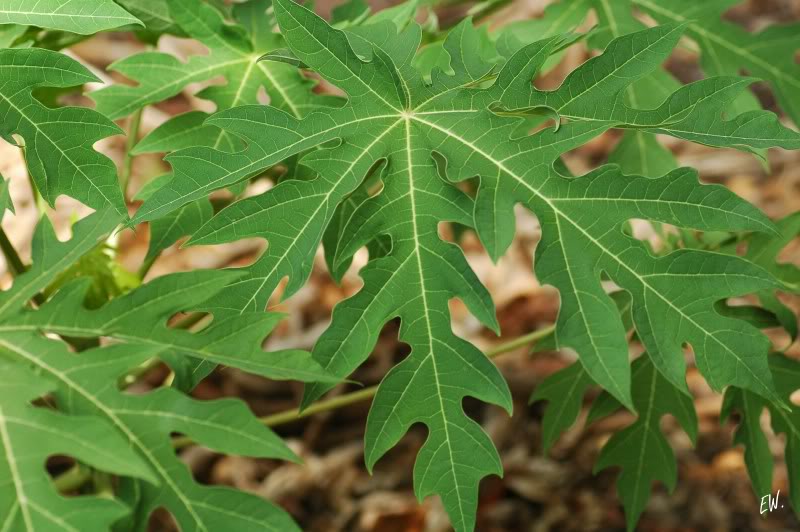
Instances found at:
x=76 y=16
x=58 y=142
x=140 y=317
x=419 y=138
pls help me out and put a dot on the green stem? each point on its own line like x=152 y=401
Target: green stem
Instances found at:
x=133 y=137
x=333 y=403
x=103 y=486
x=15 y=264
x=72 y=479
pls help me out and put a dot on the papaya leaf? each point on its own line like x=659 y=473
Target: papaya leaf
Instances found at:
x=763 y=250
x=77 y=16
x=58 y=142
x=234 y=50
x=726 y=48
x=143 y=425
x=417 y=139
x=131 y=431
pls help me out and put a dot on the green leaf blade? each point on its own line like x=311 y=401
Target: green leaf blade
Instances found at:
x=58 y=142
x=77 y=16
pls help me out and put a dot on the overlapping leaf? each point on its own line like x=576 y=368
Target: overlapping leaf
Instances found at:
x=58 y=142
x=140 y=317
x=30 y=435
x=726 y=48
x=154 y=14
x=76 y=16
x=234 y=52
x=639 y=152
x=227 y=426
x=764 y=250
x=137 y=323
x=641 y=450
x=418 y=138
x=758 y=455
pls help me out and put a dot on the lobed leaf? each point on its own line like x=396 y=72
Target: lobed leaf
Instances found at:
x=234 y=50
x=29 y=435
x=641 y=449
x=58 y=142
x=83 y=388
x=726 y=48
x=416 y=139
x=226 y=426
x=749 y=433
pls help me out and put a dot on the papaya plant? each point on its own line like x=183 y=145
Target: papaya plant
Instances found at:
x=376 y=129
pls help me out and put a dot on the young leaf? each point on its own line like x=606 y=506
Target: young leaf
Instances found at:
x=29 y=435
x=641 y=450
x=77 y=16
x=58 y=142
x=51 y=257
